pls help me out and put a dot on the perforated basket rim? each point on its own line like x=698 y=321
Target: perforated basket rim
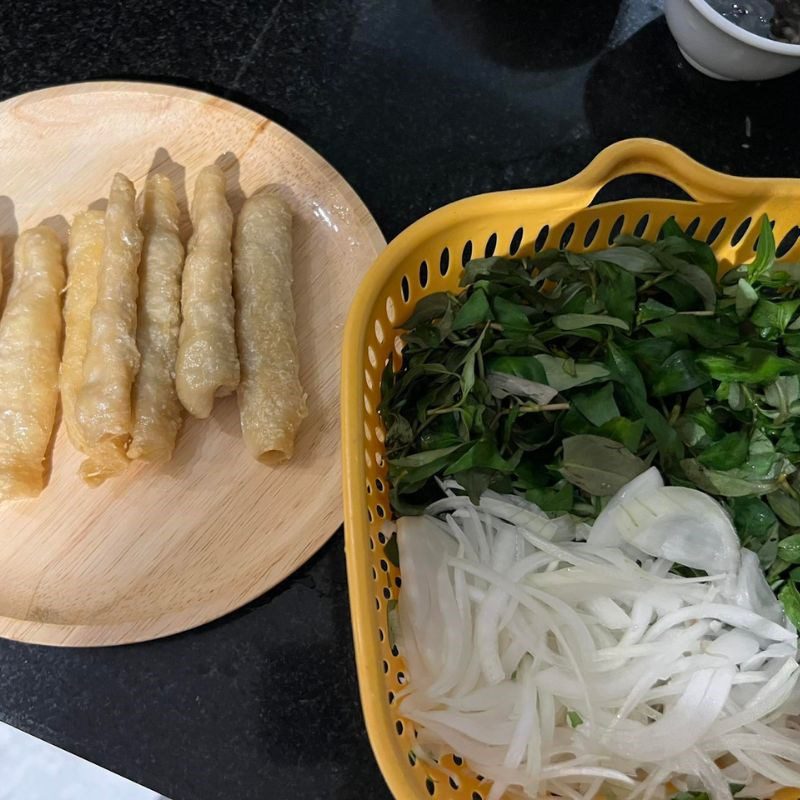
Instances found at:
x=632 y=156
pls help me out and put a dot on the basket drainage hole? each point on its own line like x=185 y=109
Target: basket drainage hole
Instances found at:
x=641 y=226
x=541 y=239
x=385 y=667
x=382 y=537
x=453 y=782
x=616 y=228
x=412 y=759
x=405 y=289
x=788 y=242
x=466 y=254
x=692 y=227
x=371 y=540
x=399 y=727
x=591 y=233
x=491 y=245
x=739 y=233
x=381 y=512
x=566 y=237
x=374 y=574
x=716 y=230
x=458 y=761
x=430 y=786
x=391 y=697
x=384 y=565
x=379 y=484
x=387 y=592
x=516 y=241
x=381 y=635
x=423 y=274
x=477 y=796
x=444 y=262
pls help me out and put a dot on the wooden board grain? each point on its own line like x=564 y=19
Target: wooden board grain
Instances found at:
x=164 y=549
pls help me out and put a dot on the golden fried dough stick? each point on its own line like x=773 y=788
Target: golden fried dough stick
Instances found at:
x=103 y=404
x=272 y=402
x=83 y=264
x=30 y=341
x=156 y=408
x=207 y=365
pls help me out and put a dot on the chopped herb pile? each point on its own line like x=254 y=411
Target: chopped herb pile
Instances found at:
x=564 y=376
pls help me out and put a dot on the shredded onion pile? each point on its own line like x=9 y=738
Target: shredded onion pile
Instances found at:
x=560 y=658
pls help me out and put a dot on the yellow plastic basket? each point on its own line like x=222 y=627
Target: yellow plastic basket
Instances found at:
x=428 y=257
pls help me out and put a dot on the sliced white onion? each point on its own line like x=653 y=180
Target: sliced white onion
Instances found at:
x=570 y=666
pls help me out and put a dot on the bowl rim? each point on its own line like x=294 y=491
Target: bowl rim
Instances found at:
x=732 y=29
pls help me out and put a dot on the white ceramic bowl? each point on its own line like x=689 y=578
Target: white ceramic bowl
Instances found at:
x=721 y=49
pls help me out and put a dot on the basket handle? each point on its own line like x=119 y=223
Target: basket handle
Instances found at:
x=652 y=157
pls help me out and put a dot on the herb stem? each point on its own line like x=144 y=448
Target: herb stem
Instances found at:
x=653 y=281
x=536 y=407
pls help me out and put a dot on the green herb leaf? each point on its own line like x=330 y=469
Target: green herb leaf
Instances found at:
x=510 y=315
x=752 y=365
x=698 y=279
x=390 y=550
x=729 y=452
x=616 y=292
x=784 y=396
x=653 y=310
x=625 y=431
x=598 y=406
x=786 y=507
x=711 y=332
x=789 y=549
x=679 y=373
x=777 y=316
x=481 y=455
x=746 y=298
x=624 y=371
x=765 y=252
x=790 y=598
x=552 y=501
x=432 y=307
x=573 y=322
x=475 y=311
x=726 y=484
x=575 y=719
x=526 y=367
x=599 y=466
x=564 y=373
x=632 y=259
x=754 y=521
x=407 y=473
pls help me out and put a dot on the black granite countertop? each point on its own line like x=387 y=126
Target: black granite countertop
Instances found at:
x=417 y=103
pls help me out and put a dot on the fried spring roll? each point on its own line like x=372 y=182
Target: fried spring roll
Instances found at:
x=30 y=341
x=207 y=364
x=272 y=402
x=103 y=404
x=156 y=408
x=84 y=255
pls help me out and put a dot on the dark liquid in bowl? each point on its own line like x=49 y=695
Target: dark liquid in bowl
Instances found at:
x=754 y=16
x=772 y=19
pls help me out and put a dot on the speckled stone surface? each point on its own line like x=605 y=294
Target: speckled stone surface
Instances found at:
x=416 y=102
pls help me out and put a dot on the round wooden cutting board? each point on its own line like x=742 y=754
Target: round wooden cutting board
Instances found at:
x=163 y=549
